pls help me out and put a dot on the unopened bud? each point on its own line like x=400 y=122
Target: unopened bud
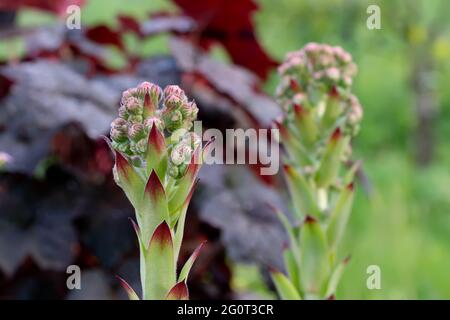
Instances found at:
x=136 y=131
x=138 y=147
x=133 y=106
x=174 y=90
x=181 y=154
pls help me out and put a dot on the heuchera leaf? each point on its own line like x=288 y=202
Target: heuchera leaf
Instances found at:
x=284 y=286
x=314 y=258
x=130 y=292
x=237 y=35
x=153 y=209
x=105 y=35
x=184 y=273
x=160 y=264
x=178 y=292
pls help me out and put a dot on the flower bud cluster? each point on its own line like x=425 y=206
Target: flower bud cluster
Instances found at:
x=145 y=106
x=320 y=77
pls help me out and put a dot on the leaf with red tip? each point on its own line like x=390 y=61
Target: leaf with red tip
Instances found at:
x=156 y=154
x=178 y=292
x=314 y=257
x=153 y=209
x=128 y=179
x=306 y=124
x=331 y=160
x=339 y=216
x=160 y=269
x=129 y=290
x=184 y=273
x=335 y=277
x=301 y=194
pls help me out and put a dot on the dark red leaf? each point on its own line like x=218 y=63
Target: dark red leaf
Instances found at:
x=230 y=23
x=105 y=35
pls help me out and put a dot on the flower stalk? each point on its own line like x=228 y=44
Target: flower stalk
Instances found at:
x=157 y=159
x=320 y=117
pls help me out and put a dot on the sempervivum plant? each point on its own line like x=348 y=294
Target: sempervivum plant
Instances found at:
x=321 y=115
x=157 y=162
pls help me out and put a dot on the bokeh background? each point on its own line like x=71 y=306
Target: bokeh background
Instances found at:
x=60 y=88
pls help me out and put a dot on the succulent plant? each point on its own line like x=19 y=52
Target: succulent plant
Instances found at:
x=157 y=160
x=321 y=115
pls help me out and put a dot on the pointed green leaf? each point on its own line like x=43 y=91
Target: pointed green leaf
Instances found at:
x=284 y=286
x=292 y=267
x=301 y=193
x=339 y=216
x=184 y=273
x=160 y=272
x=128 y=179
x=156 y=154
x=180 y=217
x=335 y=278
x=290 y=231
x=304 y=120
x=130 y=292
x=153 y=208
x=178 y=292
x=331 y=160
x=314 y=259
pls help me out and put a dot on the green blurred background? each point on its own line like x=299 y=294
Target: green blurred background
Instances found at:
x=403 y=225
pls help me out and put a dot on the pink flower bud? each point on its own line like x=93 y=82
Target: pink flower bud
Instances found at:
x=133 y=105
x=175 y=91
x=136 y=131
x=181 y=154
